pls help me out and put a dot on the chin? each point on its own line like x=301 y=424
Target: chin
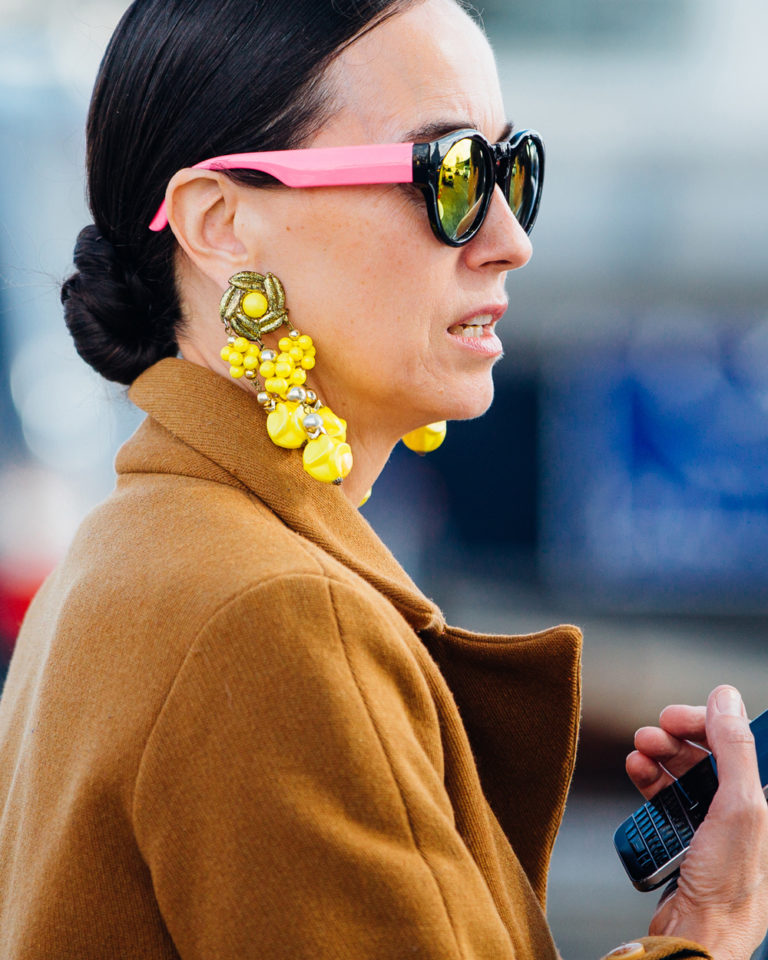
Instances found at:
x=471 y=402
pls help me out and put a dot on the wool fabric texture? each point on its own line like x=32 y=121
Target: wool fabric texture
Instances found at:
x=234 y=728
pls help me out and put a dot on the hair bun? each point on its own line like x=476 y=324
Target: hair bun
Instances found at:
x=109 y=311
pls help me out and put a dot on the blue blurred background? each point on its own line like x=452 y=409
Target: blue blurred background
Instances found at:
x=620 y=480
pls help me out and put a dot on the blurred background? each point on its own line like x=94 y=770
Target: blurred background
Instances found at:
x=620 y=480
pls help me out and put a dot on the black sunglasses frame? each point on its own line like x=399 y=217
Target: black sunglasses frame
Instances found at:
x=499 y=160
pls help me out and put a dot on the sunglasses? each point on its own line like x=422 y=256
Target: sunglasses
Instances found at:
x=456 y=174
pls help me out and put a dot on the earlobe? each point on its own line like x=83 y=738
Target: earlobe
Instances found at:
x=201 y=206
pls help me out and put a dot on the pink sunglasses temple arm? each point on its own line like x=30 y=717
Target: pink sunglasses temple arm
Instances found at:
x=317 y=167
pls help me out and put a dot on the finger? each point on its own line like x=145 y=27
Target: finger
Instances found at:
x=675 y=755
x=732 y=743
x=684 y=722
x=646 y=774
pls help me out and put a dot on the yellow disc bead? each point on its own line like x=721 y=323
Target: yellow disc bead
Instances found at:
x=296 y=354
x=250 y=362
x=327 y=459
x=298 y=378
x=334 y=426
x=426 y=439
x=236 y=359
x=236 y=372
x=225 y=351
x=267 y=369
x=285 y=344
x=308 y=363
x=284 y=426
x=255 y=304
x=241 y=345
x=305 y=342
x=283 y=368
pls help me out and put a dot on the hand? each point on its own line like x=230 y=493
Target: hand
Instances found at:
x=721 y=900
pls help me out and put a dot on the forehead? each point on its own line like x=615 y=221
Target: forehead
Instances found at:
x=428 y=64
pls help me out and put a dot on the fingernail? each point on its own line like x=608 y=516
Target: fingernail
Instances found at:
x=729 y=702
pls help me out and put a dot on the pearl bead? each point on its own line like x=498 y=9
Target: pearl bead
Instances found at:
x=250 y=374
x=268 y=356
x=262 y=397
x=297 y=395
x=311 y=396
x=294 y=334
x=312 y=422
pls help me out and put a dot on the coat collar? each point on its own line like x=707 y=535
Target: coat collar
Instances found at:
x=225 y=424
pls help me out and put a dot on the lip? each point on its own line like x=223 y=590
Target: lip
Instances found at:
x=493 y=310
x=488 y=344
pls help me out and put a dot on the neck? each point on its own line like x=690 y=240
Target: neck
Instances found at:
x=370 y=456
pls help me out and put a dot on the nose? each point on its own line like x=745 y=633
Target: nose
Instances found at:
x=501 y=243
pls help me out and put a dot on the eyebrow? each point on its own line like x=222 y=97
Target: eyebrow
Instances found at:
x=439 y=128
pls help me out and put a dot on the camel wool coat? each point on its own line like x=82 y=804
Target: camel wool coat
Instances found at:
x=234 y=729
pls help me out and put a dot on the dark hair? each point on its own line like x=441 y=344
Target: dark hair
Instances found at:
x=181 y=81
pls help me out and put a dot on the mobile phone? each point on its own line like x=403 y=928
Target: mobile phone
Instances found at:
x=653 y=841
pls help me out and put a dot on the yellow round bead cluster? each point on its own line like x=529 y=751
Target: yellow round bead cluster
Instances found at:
x=280 y=371
x=296 y=417
x=243 y=358
x=288 y=368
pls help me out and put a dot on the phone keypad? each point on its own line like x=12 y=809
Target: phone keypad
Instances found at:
x=664 y=826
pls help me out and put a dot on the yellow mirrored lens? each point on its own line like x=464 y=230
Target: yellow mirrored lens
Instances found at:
x=461 y=187
x=517 y=187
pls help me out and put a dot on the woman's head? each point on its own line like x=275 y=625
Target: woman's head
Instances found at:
x=387 y=304
x=182 y=78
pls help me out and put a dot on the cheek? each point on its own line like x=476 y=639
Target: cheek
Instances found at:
x=365 y=259
x=366 y=278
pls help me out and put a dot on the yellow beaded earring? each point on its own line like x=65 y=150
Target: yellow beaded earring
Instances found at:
x=426 y=439
x=253 y=306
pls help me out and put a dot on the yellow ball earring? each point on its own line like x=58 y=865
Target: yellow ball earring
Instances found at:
x=426 y=439
x=252 y=306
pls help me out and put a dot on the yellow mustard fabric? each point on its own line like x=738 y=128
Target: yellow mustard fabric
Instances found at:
x=233 y=727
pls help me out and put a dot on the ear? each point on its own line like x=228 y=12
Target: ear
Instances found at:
x=202 y=208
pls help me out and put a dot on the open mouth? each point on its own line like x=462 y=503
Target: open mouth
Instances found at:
x=479 y=326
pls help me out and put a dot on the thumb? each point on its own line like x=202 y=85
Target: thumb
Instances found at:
x=731 y=741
